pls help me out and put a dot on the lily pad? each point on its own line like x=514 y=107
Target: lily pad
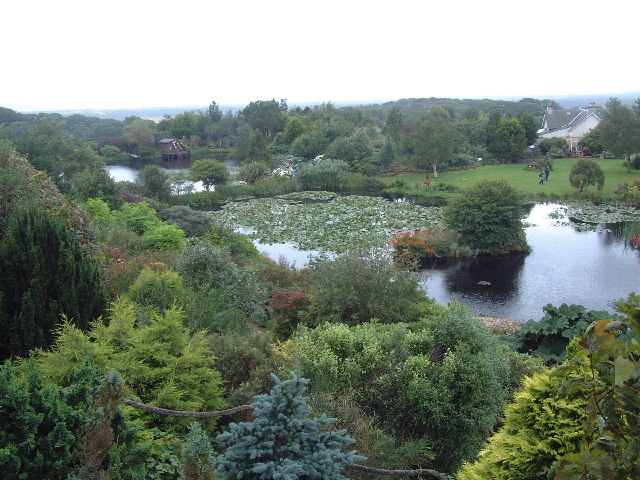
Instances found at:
x=333 y=225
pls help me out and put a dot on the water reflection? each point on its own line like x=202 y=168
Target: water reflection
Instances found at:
x=564 y=266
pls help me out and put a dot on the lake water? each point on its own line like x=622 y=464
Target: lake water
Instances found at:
x=564 y=266
x=592 y=268
x=122 y=173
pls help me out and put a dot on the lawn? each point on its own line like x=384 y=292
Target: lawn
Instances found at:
x=525 y=180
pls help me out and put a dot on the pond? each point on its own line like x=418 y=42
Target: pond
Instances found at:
x=590 y=268
x=565 y=265
x=122 y=173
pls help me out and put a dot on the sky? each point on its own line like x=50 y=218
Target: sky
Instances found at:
x=81 y=54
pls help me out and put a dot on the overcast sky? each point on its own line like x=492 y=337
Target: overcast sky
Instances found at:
x=82 y=54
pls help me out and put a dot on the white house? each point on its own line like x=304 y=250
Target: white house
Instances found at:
x=571 y=125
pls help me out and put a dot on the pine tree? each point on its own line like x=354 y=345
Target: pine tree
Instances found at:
x=282 y=442
x=44 y=272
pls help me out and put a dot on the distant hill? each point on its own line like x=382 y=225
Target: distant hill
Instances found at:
x=379 y=108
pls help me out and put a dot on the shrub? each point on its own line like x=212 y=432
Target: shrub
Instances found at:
x=246 y=363
x=138 y=217
x=162 y=363
x=42 y=425
x=238 y=245
x=488 y=217
x=44 y=272
x=419 y=246
x=443 y=380
x=283 y=442
x=164 y=237
x=157 y=290
x=204 y=266
x=193 y=222
x=251 y=172
x=540 y=427
x=382 y=290
x=286 y=308
x=323 y=174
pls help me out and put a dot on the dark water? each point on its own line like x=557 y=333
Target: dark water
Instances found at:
x=564 y=266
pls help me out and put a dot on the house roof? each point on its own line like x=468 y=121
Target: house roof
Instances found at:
x=559 y=119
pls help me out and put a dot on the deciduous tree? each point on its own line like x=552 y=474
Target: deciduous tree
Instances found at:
x=210 y=172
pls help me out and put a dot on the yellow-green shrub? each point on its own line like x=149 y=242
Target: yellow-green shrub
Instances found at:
x=540 y=427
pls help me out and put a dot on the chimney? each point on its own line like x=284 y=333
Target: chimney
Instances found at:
x=550 y=108
x=591 y=108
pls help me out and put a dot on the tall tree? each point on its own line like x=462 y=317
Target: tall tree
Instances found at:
x=393 y=125
x=44 y=273
x=507 y=139
x=210 y=172
x=267 y=116
x=215 y=115
x=435 y=140
x=619 y=130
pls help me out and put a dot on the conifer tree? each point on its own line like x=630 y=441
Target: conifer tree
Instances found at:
x=44 y=273
x=282 y=442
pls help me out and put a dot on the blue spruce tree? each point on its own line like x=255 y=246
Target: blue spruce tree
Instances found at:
x=283 y=442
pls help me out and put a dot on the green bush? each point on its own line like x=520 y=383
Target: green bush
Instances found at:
x=488 y=217
x=443 y=380
x=193 y=222
x=540 y=427
x=164 y=237
x=157 y=290
x=360 y=285
x=252 y=172
x=45 y=429
x=162 y=363
x=323 y=174
x=44 y=272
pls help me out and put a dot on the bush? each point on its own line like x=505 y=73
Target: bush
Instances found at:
x=193 y=222
x=43 y=426
x=323 y=174
x=382 y=290
x=443 y=380
x=162 y=363
x=419 y=246
x=286 y=308
x=540 y=427
x=252 y=172
x=44 y=272
x=157 y=290
x=164 y=237
x=205 y=267
x=488 y=217
x=283 y=442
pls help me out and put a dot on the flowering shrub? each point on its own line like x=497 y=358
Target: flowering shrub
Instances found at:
x=420 y=245
x=630 y=193
x=636 y=241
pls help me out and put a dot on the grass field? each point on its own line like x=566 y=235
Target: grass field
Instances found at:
x=527 y=181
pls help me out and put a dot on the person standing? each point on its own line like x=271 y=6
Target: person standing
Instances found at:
x=546 y=172
x=542 y=177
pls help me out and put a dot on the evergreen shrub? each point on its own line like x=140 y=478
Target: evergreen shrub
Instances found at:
x=283 y=442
